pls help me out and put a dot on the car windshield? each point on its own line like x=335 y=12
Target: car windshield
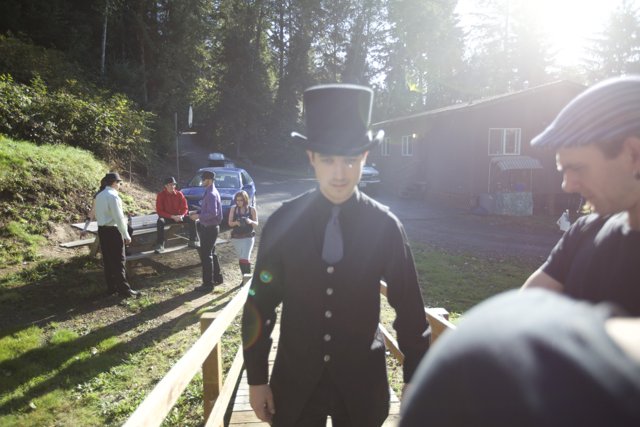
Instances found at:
x=223 y=180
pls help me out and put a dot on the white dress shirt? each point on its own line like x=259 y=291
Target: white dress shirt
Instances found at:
x=109 y=211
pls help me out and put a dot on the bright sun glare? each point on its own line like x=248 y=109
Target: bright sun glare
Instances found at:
x=570 y=24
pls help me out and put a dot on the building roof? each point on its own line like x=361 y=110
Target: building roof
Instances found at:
x=482 y=102
x=506 y=163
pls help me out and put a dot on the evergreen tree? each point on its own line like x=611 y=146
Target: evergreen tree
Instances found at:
x=617 y=50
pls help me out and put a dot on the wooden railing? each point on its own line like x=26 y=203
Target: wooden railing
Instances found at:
x=438 y=319
x=207 y=352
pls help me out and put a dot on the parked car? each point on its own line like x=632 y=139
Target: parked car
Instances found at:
x=220 y=160
x=228 y=181
x=370 y=180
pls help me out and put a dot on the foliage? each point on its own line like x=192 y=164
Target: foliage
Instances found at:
x=26 y=61
x=617 y=50
x=111 y=127
x=244 y=65
x=509 y=50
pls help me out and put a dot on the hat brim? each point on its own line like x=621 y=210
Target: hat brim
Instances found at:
x=368 y=142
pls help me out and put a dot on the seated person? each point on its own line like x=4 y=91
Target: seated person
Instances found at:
x=534 y=358
x=171 y=206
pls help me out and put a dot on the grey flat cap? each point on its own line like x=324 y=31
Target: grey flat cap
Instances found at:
x=603 y=113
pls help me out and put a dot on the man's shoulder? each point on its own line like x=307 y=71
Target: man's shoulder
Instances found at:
x=105 y=194
x=594 y=222
x=298 y=208
x=377 y=209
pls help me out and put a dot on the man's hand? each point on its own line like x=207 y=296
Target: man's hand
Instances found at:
x=261 y=400
x=127 y=241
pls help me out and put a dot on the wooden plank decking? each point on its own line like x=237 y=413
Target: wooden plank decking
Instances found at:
x=243 y=414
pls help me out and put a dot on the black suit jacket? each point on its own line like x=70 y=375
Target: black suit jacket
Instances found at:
x=330 y=313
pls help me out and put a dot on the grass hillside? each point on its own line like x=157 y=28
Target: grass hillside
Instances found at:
x=42 y=186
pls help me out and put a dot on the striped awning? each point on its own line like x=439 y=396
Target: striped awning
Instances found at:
x=506 y=163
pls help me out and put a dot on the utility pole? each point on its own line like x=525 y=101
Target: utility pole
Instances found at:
x=177 y=146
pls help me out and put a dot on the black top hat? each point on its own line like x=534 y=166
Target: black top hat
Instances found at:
x=111 y=177
x=170 y=180
x=337 y=119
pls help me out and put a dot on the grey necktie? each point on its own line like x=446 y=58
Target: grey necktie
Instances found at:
x=332 y=247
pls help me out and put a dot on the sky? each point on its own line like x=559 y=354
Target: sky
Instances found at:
x=570 y=23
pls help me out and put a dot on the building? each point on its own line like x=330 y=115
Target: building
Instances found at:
x=477 y=154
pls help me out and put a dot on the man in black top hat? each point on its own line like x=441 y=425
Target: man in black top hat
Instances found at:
x=113 y=234
x=172 y=208
x=597 y=142
x=322 y=255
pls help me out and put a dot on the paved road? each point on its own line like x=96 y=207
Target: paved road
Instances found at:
x=451 y=229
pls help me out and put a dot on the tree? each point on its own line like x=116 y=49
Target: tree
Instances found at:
x=243 y=88
x=507 y=48
x=617 y=50
x=423 y=55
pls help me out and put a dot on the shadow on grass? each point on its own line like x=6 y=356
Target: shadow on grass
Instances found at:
x=57 y=290
x=40 y=362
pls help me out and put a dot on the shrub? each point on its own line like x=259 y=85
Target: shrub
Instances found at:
x=109 y=126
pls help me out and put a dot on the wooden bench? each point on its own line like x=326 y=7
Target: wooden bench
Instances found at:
x=143 y=237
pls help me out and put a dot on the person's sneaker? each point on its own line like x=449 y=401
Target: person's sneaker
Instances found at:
x=158 y=248
x=204 y=288
x=194 y=244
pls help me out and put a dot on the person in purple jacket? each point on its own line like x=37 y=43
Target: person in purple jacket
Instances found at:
x=209 y=219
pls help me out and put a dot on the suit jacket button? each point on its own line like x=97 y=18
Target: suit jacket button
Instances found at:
x=330 y=269
x=327 y=337
x=328 y=314
x=329 y=291
x=326 y=358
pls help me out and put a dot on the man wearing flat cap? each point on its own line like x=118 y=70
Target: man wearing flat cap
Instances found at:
x=172 y=208
x=113 y=235
x=322 y=256
x=597 y=142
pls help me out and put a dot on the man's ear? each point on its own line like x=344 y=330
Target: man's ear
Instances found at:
x=364 y=156
x=633 y=145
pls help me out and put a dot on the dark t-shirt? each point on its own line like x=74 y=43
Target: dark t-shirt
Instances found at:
x=598 y=259
x=532 y=358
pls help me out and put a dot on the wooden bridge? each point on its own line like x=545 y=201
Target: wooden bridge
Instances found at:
x=217 y=394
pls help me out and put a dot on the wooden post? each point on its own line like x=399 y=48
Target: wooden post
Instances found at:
x=211 y=369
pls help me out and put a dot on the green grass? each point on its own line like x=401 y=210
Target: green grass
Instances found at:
x=77 y=368
x=456 y=282
x=459 y=281
x=80 y=369
x=41 y=184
